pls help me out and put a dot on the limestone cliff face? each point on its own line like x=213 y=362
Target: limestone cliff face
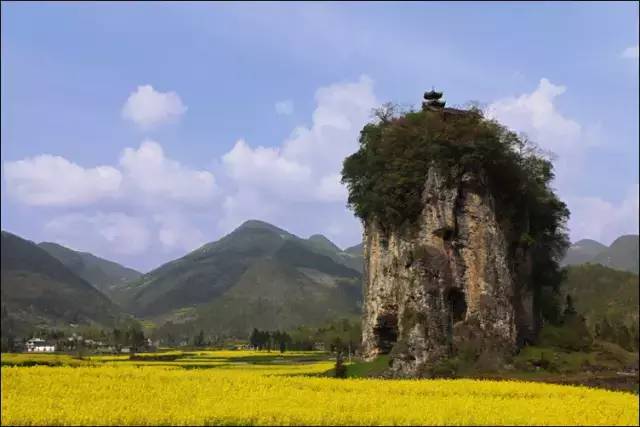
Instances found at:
x=453 y=283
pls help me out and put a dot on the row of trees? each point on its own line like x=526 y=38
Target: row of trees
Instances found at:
x=132 y=337
x=202 y=340
x=269 y=340
x=337 y=336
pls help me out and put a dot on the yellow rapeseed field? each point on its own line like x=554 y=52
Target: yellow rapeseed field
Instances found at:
x=123 y=393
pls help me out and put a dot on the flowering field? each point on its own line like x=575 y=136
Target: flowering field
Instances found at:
x=248 y=388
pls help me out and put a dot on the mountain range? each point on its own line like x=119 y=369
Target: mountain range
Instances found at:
x=259 y=275
x=621 y=255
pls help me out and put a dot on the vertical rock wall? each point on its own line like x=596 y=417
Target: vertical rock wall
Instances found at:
x=450 y=284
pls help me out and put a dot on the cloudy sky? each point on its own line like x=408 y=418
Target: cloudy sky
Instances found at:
x=140 y=131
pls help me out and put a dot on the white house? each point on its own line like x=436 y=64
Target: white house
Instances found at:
x=38 y=345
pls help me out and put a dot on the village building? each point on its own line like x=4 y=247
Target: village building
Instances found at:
x=38 y=345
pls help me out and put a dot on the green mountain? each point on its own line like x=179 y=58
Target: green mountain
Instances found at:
x=38 y=290
x=583 y=251
x=323 y=243
x=357 y=250
x=621 y=255
x=104 y=275
x=320 y=244
x=257 y=276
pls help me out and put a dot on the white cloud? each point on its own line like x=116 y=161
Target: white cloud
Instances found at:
x=306 y=167
x=342 y=109
x=150 y=174
x=632 y=52
x=47 y=180
x=284 y=108
x=599 y=219
x=146 y=182
x=536 y=115
x=175 y=232
x=265 y=169
x=311 y=158
x=101 y=233
x=145 y=175
x=330 y=188
x=149 y=108
x=248 y=203
x=116 y=233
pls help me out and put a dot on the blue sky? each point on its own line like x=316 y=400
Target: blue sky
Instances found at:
x=139 y=131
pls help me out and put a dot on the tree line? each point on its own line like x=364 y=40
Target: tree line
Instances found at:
x=269 y=340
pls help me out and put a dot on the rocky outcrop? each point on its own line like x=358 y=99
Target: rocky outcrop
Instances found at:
x=453 y=283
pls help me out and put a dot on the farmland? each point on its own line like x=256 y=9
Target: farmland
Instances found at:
x=260 y=388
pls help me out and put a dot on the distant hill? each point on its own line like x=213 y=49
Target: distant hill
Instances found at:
x=38 y=290
x=583 y=251
x=104 y=275
x=257 y=276
x=323 y=243
x=600 y=292
x=621 y=255
x=356 y=250
x=324 y=246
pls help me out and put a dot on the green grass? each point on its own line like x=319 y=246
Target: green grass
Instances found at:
x=602 y=357
x=373 y=368
x=552 y=360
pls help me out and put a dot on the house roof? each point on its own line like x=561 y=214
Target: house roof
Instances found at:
x=39 y=342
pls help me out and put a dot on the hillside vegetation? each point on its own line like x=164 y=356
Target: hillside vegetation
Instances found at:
x=621 y=255
x=583 y=251
x=38 y=290
x=258 y=275
x=103 y=274
x=609 y=301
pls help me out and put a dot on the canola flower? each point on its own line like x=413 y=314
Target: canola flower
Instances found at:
x=284 y=394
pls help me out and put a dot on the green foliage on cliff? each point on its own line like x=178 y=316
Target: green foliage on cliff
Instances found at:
x=386 y=178
x=386 y=175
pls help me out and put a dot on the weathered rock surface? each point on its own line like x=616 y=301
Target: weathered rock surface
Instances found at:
x=456 y=282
